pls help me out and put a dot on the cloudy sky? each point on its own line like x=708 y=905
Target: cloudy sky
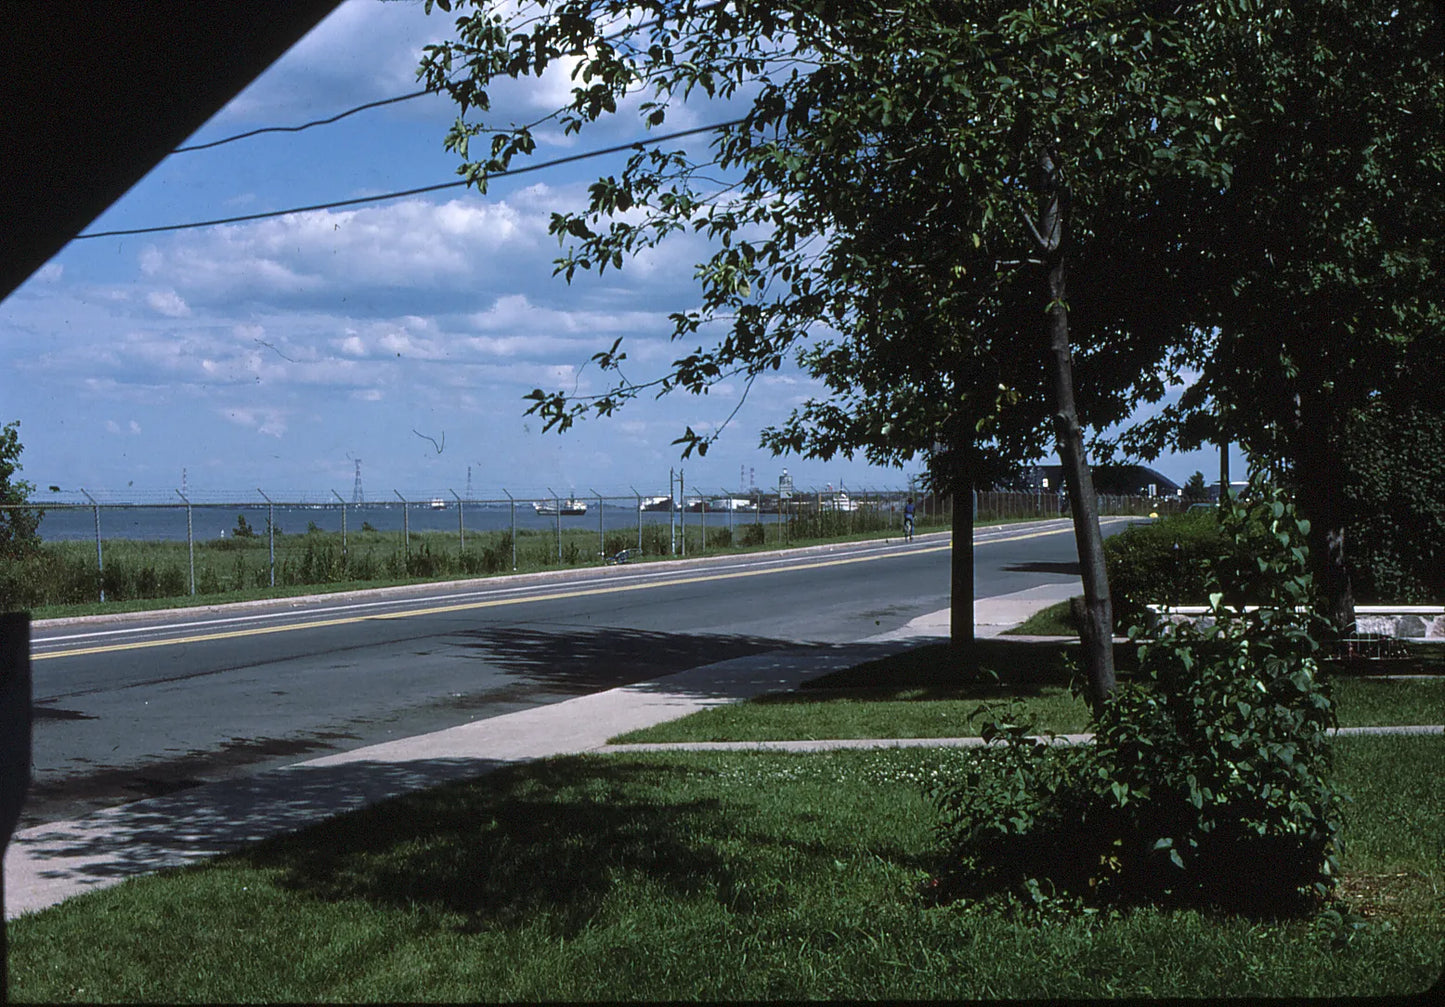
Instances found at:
x=274 y=353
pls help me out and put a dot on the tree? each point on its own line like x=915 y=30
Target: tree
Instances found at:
x=1017 y=148
x=1316 y=270
x=18 y=524
x=1195 y=488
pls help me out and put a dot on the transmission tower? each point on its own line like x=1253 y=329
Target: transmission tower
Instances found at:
x=357 y=497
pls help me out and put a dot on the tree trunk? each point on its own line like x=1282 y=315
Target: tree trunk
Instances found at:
x=961 y=583
x=1096 y=635
x=1318 y=469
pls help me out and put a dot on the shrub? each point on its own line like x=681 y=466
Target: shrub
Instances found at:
x=1394 y=512
x=752 y=534
x=243 y=528
x=1163 y=562
x=497 y=554
x=656 y=540
x=421 y=563
x=1178 y=560
x=617 y=541
x=1208 y=780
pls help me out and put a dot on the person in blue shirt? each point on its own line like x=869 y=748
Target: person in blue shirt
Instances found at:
x=908 y=520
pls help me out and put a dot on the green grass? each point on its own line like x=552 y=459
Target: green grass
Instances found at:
x=711 y=876
x=1055 y=620
x=921 y=693
x=884 y=713
x=1362 y=702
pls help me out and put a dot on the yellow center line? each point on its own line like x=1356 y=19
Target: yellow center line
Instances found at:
x=234 y=634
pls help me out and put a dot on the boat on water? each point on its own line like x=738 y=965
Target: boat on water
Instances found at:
x=438 y=504
x=657 y=504
x=570 y=507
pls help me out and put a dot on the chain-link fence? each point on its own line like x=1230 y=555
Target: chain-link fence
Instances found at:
x=117 y=550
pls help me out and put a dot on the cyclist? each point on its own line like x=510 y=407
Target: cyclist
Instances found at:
x=908 y=520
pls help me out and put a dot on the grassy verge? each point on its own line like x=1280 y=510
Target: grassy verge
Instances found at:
x=713 y=876
x=918 y=694
x=1055 y=620
x=61 y=580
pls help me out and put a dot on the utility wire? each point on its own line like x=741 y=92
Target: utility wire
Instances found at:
x=392 y=101
x=633 y=145
x=305 y=125
x=1148 y=6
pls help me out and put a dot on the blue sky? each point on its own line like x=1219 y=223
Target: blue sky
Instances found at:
x=272 y=353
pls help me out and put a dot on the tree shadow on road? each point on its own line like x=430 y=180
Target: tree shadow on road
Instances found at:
x=584 y=660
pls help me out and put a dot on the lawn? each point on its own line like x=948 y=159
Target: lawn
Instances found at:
x=918 y=694
x=726 y=876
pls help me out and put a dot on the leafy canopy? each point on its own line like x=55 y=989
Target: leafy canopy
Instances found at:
x=18 y=524
x=868 y=213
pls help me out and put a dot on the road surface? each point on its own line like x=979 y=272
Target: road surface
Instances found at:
x=146 y=705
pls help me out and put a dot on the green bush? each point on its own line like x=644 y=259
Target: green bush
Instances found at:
x=656 y=540
x=1177 y=559
x=1164 y=562
x=1394 y=511
x=1208 y=780
x=497 y=554
x=752 y=534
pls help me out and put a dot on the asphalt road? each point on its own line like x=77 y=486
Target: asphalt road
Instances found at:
x=141 y=706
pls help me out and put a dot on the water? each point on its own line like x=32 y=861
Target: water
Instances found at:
x=210 y=521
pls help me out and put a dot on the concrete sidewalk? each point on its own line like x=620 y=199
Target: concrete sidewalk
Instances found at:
x=47 y=864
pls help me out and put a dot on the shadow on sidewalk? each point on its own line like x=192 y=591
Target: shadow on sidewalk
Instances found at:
x=166 y=831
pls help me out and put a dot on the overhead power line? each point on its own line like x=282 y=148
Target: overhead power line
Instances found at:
x=305 y=125
x=299 y=127
x=632 y=145
x=1151 y=7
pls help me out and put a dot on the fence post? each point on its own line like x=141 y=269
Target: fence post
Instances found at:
x=639 y=517
x=270 y=532
x=682 y=514
x=702 y=502
x=190 y=541
x=99 y=556
x=343 y=525
x=557 y=502
x=601 y=530
x=732 y=501
x=513 y=502
x=405 y=526
x=671 y=512
x=461 y=530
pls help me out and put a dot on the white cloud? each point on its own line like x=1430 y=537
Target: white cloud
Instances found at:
x=168 y=303
x=271 y=422
x=412 y=245
x=51 y=272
